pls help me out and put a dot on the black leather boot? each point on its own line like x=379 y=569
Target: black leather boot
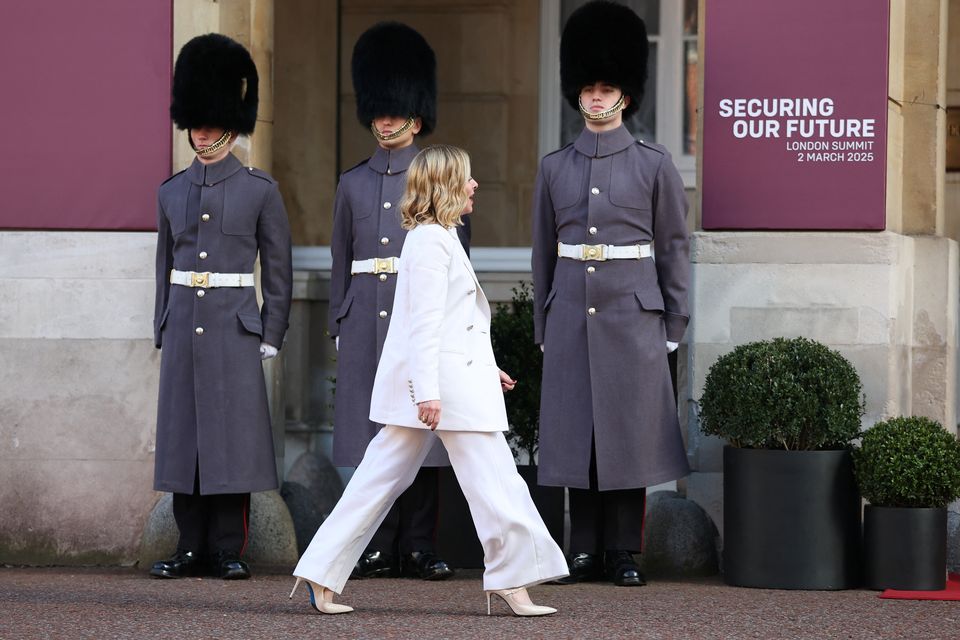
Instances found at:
x=182 y=564
x=583 y=567
x=229 y=566
x=622 y=570
x=425 y=565
x=374 y=564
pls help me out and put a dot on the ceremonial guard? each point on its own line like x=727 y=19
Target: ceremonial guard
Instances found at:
x=394 y=78
x=610 y=270
x=214 y=442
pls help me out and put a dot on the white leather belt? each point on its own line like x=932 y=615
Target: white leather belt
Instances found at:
x=602 y=252
x=207 y=280
x=375 y=265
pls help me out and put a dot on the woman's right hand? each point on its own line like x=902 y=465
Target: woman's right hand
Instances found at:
x=428 y=413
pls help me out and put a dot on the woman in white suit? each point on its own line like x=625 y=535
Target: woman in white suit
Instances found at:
x=437 y=372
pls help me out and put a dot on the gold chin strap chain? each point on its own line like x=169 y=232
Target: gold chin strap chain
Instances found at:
x=603 y=115
x=392 y=136
x=212 y=149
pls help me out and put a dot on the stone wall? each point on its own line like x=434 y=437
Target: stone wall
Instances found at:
x=886 y=301
x=78 y=408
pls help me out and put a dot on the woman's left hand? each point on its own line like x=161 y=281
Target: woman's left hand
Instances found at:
x=428 y=413
x=506 y=382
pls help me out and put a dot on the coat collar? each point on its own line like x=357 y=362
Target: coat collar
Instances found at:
x=396 y=161
x=210 y=174
x=605 y=143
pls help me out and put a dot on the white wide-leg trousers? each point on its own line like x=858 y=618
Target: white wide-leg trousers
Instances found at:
x=517 y=548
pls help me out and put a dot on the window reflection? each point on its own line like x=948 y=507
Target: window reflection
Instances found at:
x=691 y=59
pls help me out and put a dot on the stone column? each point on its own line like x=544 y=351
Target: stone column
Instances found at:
x=916 y=202
x=916 y=116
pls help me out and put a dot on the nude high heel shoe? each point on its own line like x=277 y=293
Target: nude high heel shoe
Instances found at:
x=519 y=602
x=318 y=601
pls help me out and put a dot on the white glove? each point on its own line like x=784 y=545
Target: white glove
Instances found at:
x=267 y=351
x=672 y=346
x=336 y=342
x=541 y=349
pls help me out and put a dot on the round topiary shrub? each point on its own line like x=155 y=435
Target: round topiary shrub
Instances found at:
x=794 y=394
x=908 y=462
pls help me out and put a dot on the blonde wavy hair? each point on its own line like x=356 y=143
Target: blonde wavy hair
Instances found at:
x=436 y=187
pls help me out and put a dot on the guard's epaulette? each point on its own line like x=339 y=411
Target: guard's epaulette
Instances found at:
x=563 y=148
x=172 y=177
x=260 y=173
x=653 y=146
x=357 y=166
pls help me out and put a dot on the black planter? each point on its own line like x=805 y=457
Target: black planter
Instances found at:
x=457 y=541
x=791 y=519
x=905 y=548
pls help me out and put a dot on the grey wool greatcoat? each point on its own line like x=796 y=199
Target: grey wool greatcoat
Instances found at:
x=604 y=324
x=366 y=224
x=212 y=408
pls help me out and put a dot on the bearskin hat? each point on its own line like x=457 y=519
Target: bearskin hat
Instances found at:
x=215 y=85
x=604 y=42
x=395 y=74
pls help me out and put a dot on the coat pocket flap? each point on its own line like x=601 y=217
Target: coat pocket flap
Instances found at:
x=565 y=191
x=163 y=318
x=650 y=299
x=550 y=297
x=251 y=323
x=344 y=308
x=630 y=200
x=627 y=193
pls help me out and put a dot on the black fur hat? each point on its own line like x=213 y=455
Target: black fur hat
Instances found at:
x=395 y=74
x=215 y=85
x=604 y=42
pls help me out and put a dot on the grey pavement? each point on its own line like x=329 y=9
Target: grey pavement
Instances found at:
x=106 y=603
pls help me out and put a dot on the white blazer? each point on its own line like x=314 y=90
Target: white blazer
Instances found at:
x=438 y=343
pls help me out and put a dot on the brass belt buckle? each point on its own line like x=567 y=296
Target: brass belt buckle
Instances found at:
x=201 y=280
x=383 y=265
x=593 y=252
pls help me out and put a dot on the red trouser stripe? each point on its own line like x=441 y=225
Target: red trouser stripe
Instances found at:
x=246 y=524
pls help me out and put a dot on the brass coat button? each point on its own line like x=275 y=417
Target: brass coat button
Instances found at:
x=591 y=311
x=595 y=191
x=591 y=269
x=383 y=277
x=383 y=314
x=203 y=255
x=592 y=231
x=384 y=240
x=201 y=293
x=199 y=331
x=387 y=205
x=205 y=217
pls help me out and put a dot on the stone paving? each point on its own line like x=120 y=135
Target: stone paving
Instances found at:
x=107 y=603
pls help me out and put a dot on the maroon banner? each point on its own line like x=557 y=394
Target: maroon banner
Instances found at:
x=795 y=114
x=84 y=115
